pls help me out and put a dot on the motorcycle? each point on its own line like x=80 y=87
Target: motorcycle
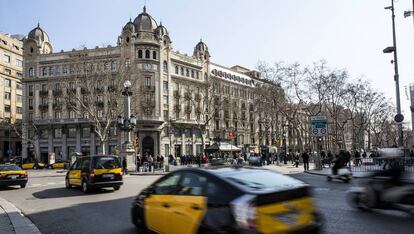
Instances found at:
x=385 y=189
x=380 y=193
x=344 y=174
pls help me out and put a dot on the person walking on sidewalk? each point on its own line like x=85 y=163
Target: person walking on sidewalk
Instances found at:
x=124 y=165
x=296 y=158
x=305 y=158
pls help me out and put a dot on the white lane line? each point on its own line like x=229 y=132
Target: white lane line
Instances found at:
x=51 y=183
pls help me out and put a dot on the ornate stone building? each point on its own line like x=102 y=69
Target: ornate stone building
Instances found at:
x=11 y=65
x=170 y=96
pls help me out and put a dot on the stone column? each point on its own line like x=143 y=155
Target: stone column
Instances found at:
x=78 y=139
x=93 y=143
x=183 y=143
x=64 y=145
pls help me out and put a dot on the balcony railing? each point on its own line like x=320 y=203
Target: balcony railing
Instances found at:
x=43 y=107
x=57 y=93
x=43 y=93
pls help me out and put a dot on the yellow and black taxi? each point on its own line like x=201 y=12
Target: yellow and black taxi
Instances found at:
x=12 y=175
x=99 y=171
x=27 y=163
x=59 y=164
x=226 y=200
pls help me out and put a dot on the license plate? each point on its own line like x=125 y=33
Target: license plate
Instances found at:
x=108 y=176
x=13 y=176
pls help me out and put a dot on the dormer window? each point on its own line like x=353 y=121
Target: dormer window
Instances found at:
x=154 y=54
x=139 y=53
x=147 y=54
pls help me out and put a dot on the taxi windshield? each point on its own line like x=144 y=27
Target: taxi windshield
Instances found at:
x=106 y=163
x=10 y=168
x=262 y=180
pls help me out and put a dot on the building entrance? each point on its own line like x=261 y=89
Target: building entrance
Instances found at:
x=148 y=146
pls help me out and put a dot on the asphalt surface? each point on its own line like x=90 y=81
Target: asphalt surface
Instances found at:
x=54 y=209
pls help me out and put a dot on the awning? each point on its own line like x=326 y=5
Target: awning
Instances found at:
x=222 y=147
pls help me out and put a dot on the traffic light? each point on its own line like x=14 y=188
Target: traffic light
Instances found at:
x=135 y=142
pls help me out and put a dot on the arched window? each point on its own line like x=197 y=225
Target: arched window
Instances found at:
x=182 y=71
x=192 y=73
x=165 y=66
x=139 y=53
x=154 y=54
x=147 y=54
x=176 y=69
x=31 y=72
x=205 y=76
x=187 y=72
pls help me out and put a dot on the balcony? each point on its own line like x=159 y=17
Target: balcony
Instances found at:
x=188 y=109
x=99 y=89
x=57 y=92
x=43 y=93
x=85 y=91
x=43 y=107
x=111 y=88
x=100 y=104
x=150 y=88
x=177 y=94
x=57 y=106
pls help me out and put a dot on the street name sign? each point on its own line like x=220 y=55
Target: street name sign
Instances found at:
x=319 y=125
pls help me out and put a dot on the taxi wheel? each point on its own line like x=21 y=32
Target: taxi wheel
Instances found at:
x=85 y=187
x=67 y=184
x=23 y=186
x=117 y=187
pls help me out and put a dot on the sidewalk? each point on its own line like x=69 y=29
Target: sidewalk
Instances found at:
x=281 y=168
x=356 y=174
x=13 y=221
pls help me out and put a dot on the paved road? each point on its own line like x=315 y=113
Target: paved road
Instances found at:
x=55 y=209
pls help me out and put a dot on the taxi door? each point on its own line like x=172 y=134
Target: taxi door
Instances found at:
x=159 y=204
x=189 y=205
x=75 y=173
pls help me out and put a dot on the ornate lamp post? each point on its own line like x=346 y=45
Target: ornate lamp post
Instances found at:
x=127 y=124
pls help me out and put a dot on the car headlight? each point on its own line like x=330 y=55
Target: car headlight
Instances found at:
x=244 y=211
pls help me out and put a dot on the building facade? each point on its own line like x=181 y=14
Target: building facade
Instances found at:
x=11 y=74
x=171 y=96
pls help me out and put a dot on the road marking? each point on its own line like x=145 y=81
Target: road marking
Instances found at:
x=321 y=189
x=51 y=183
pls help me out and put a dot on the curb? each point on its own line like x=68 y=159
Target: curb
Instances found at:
x=21 y=224
x=147 y=174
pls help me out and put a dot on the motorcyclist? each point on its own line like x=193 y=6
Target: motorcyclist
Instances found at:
x=339 y=162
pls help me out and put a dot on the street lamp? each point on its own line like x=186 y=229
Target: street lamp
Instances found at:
x=393 y=49
x=127 y=124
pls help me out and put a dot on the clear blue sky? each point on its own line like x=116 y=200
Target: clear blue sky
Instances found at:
x=346 y=33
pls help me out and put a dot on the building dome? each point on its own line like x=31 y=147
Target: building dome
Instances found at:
x=161 y=30
x=145 y=22
x=39 y=35
x=201 y=46
x=129 y=26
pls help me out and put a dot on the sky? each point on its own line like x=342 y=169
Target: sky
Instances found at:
x=348 y=34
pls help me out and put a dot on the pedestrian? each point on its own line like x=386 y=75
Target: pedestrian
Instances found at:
x=305 y=158
x=124 y=166
x=150 y=162
x=296 y=159
x=357 y=157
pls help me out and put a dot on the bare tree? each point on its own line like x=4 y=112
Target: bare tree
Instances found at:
x=94 y=93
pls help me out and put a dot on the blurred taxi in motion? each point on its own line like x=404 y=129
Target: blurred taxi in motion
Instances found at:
x=99 y=171
x=12 y=175
x=226 y=200
x=59 y=164
x=28 y=163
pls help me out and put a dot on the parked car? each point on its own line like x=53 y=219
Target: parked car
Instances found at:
x=59 y=164
x=98 y=171
x=226 y=200
x=12 y=175
x=26 y=163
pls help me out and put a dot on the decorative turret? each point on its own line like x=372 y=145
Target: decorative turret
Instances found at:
x=201 y=51
x=38 y=41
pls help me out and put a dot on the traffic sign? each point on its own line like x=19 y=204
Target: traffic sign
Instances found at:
x=319 y=125
x=399 y=118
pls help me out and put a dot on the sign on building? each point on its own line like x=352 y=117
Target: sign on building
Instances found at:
x=319 y=125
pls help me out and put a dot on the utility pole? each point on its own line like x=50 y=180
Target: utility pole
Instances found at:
x=396 y=76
